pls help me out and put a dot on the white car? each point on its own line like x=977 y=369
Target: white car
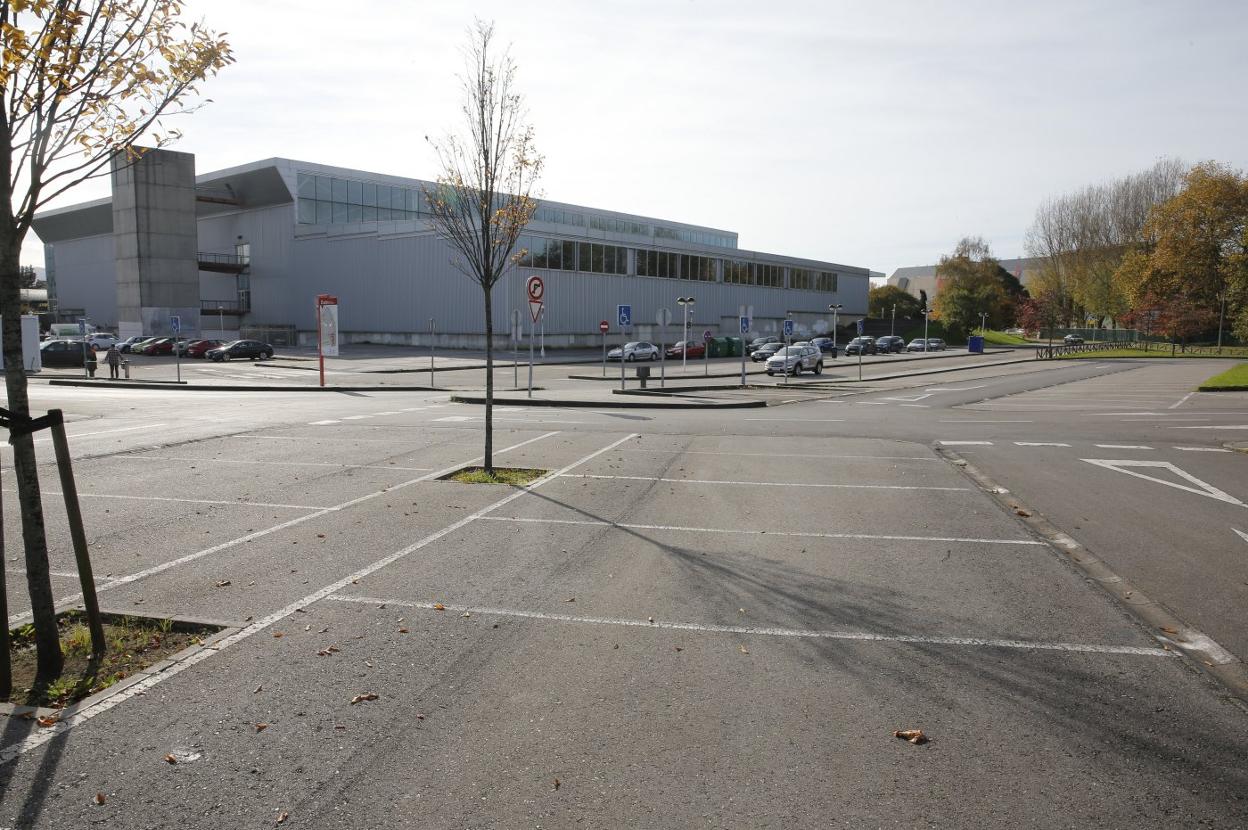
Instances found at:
x=793 y=359
x=102 y=341
x=635 y=351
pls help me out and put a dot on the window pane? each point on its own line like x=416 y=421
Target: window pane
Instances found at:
x=608 y=259
x=324 y=213
x=340 y=213
x=554 y=253
x=339 y=189
x=596 y=264
x=307 y=211
x=307 y=186
x=621 y=260
x=324 y=188
x=370 y=212
x=413 y=200
x=370 y=194
x=569 y=255
x=355 y=214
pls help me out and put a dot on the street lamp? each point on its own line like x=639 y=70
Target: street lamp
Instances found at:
x=892 y=327
x=221 y=320
x=685 y=303
x=926 y=310
x=983 y=322
x=836 y=310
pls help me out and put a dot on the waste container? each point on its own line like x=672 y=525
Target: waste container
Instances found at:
x=975 y=344
x=735 y=345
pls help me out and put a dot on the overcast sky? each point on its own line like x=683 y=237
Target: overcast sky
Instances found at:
x=869 y=134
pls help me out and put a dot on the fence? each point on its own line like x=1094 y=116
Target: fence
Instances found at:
x=1175 y=349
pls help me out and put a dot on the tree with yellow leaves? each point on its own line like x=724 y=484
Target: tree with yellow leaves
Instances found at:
x=80 y=82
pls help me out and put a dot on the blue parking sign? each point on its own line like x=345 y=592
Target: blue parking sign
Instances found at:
x=175 y=323
x=788 y=328
x=745 y=325
x=861 y=324
x=624 y=316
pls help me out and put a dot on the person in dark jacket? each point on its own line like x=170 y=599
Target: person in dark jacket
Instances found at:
x=113 y=359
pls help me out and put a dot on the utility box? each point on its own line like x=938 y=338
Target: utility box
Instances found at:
x=32 y=358
x=975 y=344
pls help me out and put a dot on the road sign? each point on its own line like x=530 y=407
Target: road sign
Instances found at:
x=536 y=289
x=788 y=328
x=861 y=325
x=82 y=327
x=535 y=309
x=707 y=336
x=745 y=324
x=175 y=324
x=624 y=316
x=604 y=327
x=663 y=317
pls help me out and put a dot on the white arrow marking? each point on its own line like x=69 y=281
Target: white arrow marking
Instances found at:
x=953 y=388
x=1241 y=534
x=909 y=398
x=1202 y=488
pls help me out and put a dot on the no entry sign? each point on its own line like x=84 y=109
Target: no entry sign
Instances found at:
x=604 y=327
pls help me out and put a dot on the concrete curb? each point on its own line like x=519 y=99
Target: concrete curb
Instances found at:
x=609 y=404
x=1199 y=650
x=234 y=387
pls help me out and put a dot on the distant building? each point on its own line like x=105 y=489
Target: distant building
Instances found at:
x=245 y=252
x=916 y=278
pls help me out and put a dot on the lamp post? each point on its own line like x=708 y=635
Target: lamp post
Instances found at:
x=925 y=312
x=892 y=327
x=835 y=308
x=983 y=322
x=221 y=320
x=684 y=303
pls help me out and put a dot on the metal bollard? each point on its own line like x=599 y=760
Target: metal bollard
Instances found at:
x=643 y=374
x=125 y=364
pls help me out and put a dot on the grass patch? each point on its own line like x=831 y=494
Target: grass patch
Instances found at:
x=1000 y=338
x=1159 y=351
x=134 y=643
x=1232 y=380
x=515 y=476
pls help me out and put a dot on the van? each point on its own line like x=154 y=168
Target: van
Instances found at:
x=68 y=330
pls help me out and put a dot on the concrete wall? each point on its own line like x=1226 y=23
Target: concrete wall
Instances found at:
x=155 y=231
x=91 y=278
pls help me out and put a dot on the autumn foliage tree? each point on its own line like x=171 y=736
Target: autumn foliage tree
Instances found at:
x=80 y=82
x=882 y=299
x=483 y=198
x=972 y=282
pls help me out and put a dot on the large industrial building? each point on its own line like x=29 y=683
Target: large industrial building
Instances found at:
x=922 y=278
x=245 y=251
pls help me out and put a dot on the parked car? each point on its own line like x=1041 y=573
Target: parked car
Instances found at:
x=935 y=344
x=765 y=351
x=127 y=345
x=61 y=353
x=197 y=348
x=889 y=344
x=159 y=346
x=635 y=351
x=250 y=349
x=696 y=350
x=759 y=342
x=825 y=345
x=792 y=360
x=861 y=345
x=102 y=341
x=1072 y=340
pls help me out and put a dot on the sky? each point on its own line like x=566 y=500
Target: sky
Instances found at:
x=866 y=134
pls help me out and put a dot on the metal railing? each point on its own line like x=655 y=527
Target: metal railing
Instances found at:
x=1175 y=349
x=230 y=261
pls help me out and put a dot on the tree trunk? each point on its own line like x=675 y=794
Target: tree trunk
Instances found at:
x=488 y=462
x=26 y=473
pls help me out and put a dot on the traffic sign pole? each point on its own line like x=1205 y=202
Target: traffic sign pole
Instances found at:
x=604 y=327
x=175 y=323
x=788 y=341
x=431 y=383
x=663 y=317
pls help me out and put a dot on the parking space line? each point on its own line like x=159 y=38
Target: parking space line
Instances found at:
x=781 y=454
x=785 y=533
x=768 y=483
x=258 y=534
x=1201 y=449
x=966 y=443
x=1040 y=444
x=807 y=420
x=89 y=434
x=330 y=464
x=1182 y=401
x=130 y=497
x=1122 y=447
x=858 y=636
x=42 y=736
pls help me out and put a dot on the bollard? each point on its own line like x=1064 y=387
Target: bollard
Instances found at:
x=125 y=364
x=643 y=374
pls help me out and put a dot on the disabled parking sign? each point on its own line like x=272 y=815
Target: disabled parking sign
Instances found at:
x=745 y=324
x=624 y=315
x=788 y=328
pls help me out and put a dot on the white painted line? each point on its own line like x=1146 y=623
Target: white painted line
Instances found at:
x=915 y=405
x=954 y=388
x=1201 y=449
x=298 y=520
x=911 y=398
x=1116 y=414
x=975 y=421
x=1240 y=534
x=1041 y=444
x=322 y=423
x=89 y=434
x=782 y=454
x=1181 y=401
x=380 y=414
x=194 y=460
x=785 y=533
x=1222 y=426
x=1122 y=447
x=807 y=420
x=966 y=443
x=768 y=483
x=130 y=497
x=456 y=418
x=1202 y=488
x=42 y=736
x=860 y=636
x=362 y=417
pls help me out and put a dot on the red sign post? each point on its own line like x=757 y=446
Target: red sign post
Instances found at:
x=326 y=329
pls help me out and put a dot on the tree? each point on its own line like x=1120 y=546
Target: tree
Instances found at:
x=27 y=276
x=483 y=200
x=972 y=282
x=80 y=82
x=880 y=302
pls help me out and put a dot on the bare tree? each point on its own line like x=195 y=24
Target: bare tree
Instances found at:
x=80 y=82
x=483 y=198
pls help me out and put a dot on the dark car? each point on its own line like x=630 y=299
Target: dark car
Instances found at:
x=198 y=348
x=825 y=345
x=759 y=342
x=250 y=349
x=61 y=353
x=861 y=345
x=1072 y=340
x=765 y=351
x=935 y=344
x=890 y=344
x=696 y=350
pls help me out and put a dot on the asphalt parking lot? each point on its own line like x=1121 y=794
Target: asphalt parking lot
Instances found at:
x=695 y=618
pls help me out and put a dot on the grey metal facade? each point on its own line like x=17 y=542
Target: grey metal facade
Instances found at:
x=392 y=275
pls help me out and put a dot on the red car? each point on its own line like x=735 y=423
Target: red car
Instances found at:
x=161 y=345
x=696 y=350
x=198 y=348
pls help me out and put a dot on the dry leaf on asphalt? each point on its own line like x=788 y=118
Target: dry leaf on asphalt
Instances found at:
x=437 y=606
x=50 y=720
x=1168 y=629
x=282 y=816
x=744 y=650
x=100 y=798
x=258 y=690
x=402 y=630
x=277 y=635
x=170 y=759
x=363 y=697
x=1022 y=513
x=223 y=583
x=260 y=727
x=570 y=599
x=914 y=736
x=556 y=783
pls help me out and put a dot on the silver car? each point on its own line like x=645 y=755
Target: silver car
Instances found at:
x=793 y=359
x=635 y=351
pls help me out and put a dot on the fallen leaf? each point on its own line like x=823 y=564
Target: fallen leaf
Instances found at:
x=678 y=648
x=258 y=690
x=50 y=720
x=223 y=583
x=420 y=717
x=1022 y=513
x=170 y=759
x=282 y=816
x=914 y=736
x=320 y=535
x=277 y=635
x=651 y=619
x=1168 y=629
x=260 y=727
x=100 y=798
x=570 y=599
x=363 y=697
x=466 y=614
x=402 y=630
x=744 y=650
x=437 y=606
x=556 y=783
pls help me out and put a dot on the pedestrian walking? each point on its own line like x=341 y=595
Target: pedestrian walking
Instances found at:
x=113 y=358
